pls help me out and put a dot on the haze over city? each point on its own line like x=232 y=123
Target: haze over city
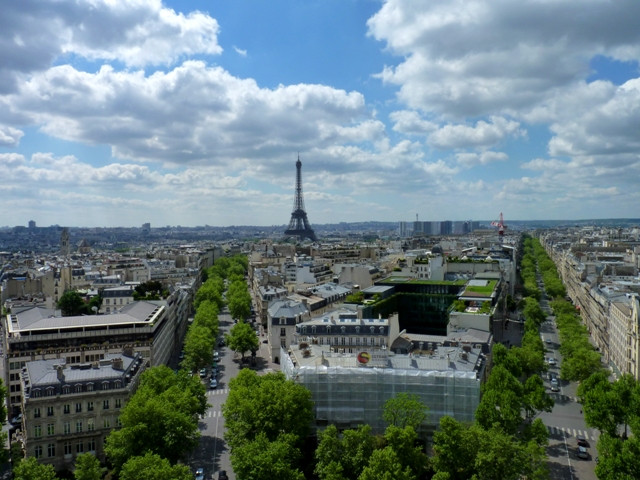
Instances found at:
x=195 y=112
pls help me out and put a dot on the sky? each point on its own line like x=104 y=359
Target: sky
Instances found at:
x=194 y=112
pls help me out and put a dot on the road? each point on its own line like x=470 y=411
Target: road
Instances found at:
x=212 y=453
x=565 y=422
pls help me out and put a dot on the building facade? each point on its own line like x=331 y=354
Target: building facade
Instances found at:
x=70 y=409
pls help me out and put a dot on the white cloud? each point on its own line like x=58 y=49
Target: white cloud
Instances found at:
x=483 y=57
x=9 y=136
x=135 y=32
x=483 y=158
x=240 y=51
x=410 y=122
x=483 y=134
x=192 y=113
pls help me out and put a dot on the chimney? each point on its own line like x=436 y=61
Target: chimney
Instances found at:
x=127 y=351
x=117 y=363
x=60 y=372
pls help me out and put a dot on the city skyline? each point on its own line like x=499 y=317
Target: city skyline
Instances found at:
x=194 y=113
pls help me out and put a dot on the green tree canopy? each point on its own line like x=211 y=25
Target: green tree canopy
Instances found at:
x=87 y=467
x=268 y=404
x=161 y=417
x=262 y=459
x=153 y=467
x=404 y=410
x=71 y=303
x=31 y=469
x=242 y=339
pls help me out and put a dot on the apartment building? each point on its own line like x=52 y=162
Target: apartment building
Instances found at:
x=284 y=315
x=152 y=328
x=71 y=409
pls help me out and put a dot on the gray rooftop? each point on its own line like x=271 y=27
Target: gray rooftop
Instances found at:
x=36 y=318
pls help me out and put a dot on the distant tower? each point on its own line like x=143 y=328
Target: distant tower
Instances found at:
x=64 y=242
x=501 y=227
x=299 y=225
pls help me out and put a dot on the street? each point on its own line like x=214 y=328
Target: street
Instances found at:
x=212 y=453
x=566 y=421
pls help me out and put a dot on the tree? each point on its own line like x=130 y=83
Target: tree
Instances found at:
x=619 y=459
x=404 y=443
x=161 y=417
x=198 y=348
x=385 y=465
x=241 y=338
x=262 y=459
x=31 y=469
x=268 y=404
x=455 y=448
x=328 y=455
x=87 y=467
x=153 y=467
x=404 y=410
x=502 y=401
x=71 y=303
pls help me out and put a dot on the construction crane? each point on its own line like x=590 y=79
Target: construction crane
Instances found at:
x=501 y=227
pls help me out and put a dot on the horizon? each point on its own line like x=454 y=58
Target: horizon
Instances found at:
x=192 y=112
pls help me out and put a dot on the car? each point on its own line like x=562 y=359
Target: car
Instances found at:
x=552 y=376
x=200 y=473
x=216 y=356
x=547 y=340
x=582 y=441
x=583 y=453
x=203 y=372
x=213 y=383
x=17 y=420
x=223 y=475
x=221 y=342
x=555 y=387
x=551 y=361
x=214 y=372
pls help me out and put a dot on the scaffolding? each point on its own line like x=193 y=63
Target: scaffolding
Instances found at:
x=348 y=394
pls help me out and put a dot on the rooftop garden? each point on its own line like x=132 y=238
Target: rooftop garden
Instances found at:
x=484 y=290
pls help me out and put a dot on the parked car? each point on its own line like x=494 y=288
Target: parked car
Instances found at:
x=552 y=361
x=200 y=473
x=582 y=441
x=213 y=383
x=583 y=453
x=203 y=372
x=223 y=475
x=216 y=356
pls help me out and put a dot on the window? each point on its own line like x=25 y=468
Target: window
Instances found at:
x=91 y=445
x=105 y=404
x=51 y=450
x=66 y=389
x=283 y=342
x=38 y=451
x=107 y=422
x=78 y=407
x=90 y=406
x=37 y=431
x=105 y=385
x=67 y=448
x=50 y=392
x=67 y=428
x=79 y=426
x=67 y=409
x=89 y=387
x=283 y=332
x=118 y=402
x=79 y=447
x=78 y=388
x=36 y=412
x=51 y=429
x=49 y=411
x=91 y=426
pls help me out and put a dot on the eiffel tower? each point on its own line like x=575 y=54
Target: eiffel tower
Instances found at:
x=299 y=225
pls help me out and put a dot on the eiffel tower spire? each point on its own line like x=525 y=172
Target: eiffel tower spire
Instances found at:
x=299 y=225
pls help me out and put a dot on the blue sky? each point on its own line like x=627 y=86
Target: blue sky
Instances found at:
x=194 y=112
